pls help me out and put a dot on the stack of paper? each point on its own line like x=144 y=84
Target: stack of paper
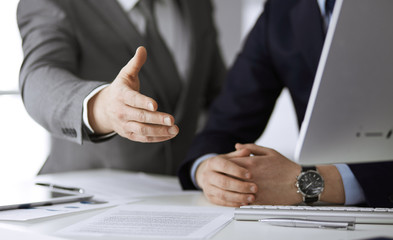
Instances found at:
x=109 y=187
x=149 y=221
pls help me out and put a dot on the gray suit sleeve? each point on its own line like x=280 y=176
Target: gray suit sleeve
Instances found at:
x=51 y=91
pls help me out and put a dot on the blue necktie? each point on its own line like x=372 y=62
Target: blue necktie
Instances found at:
x=329 y=5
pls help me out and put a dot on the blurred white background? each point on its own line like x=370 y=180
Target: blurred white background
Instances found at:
x=24 y=144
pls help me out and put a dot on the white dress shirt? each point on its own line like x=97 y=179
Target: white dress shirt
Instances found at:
x=326 y=17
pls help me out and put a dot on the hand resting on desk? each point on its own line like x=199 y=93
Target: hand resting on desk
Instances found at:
x=224 y=182
x=271 y=175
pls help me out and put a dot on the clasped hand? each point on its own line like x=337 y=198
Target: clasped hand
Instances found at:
x=249 y=175
x=121 y=108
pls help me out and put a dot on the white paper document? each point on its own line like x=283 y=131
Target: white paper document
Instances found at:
x=151 y=221
x=109 y=187
x=116 y=185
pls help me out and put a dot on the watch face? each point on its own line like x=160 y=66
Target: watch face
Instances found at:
x=310 y=183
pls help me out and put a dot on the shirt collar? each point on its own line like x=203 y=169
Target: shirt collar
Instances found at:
x=127 y=5
x=321 y=4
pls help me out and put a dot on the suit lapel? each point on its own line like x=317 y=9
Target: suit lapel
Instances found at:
x=119 y=22
x=309 y=35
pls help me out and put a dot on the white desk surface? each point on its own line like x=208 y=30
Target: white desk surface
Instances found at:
x=35 y=229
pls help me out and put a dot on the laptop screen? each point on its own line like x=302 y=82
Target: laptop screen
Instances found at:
x=350 y=115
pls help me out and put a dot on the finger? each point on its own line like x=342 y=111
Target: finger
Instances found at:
x=131 y=70
x=148 y=139
x=232 y=184
x=223 y=197
x=225 y=166
x=254 y=149
x=221 y=202
x=151 y=130
x=138 y=100
x=244 y=152
x=148 y=117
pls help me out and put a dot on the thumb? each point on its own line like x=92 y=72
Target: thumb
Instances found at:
x=131 y=70
x=254 y=149
x=238 y=153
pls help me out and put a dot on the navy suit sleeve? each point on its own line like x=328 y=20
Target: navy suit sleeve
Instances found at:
x=243 y=108
x=376 y=180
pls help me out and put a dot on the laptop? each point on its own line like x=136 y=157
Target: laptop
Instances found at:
x=349 y=118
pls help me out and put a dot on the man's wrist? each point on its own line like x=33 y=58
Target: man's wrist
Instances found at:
x=195 y=166
x=87 y=115
x=334 y=188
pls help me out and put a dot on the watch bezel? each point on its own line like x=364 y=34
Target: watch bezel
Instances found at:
x=305 y=195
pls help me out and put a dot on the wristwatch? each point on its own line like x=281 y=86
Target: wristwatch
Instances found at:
x=310 y=184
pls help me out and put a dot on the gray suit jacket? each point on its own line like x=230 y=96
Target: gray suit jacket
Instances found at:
x=74 y=46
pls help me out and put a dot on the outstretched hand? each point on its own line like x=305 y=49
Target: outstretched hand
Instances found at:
x=121 y=108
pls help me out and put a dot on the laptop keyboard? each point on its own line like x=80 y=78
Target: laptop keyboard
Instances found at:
x=322 y=213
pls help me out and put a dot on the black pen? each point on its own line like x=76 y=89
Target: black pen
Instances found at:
x=56 y=186
x=304 y=223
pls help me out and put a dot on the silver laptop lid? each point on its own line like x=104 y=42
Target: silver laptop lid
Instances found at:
x=350 y=112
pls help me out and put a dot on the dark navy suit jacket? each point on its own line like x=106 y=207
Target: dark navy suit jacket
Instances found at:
x=281 y=51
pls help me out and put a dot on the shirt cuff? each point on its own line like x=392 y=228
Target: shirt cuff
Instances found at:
x=195 y=166
x=353 y=191
x=85 y=111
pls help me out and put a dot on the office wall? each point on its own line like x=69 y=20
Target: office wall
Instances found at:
x=24 y=144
